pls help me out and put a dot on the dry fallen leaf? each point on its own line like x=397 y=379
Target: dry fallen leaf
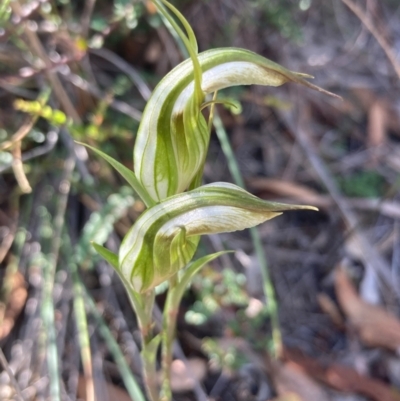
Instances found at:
x=366 y=98
x=289 y=381
x=302 y=193
x=288 y=397
x=287 y=189
x=377 y=126
x=329 y=307
x=375 y=326
x=342 y=378
x=12 y=307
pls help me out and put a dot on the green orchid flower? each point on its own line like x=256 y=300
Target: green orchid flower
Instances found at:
x=173 y=136
x=164 y=238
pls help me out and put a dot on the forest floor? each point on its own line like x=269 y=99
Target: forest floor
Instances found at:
x=335 y=273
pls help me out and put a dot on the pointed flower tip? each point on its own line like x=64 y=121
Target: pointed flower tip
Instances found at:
x=280 y=208
x=305 y=77
x=304 y=207
x=308 y=207
x=326 y=92
x=316 y=87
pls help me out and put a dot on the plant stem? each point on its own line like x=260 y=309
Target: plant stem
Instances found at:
x=168 y=334
x=177 y=287
x=143 y=306
x=262 y=260
x=269 y=291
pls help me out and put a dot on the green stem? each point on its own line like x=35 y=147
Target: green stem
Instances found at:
x=269 y=291
x=143 y=306
x=176 y=290
x=168 y=334
x=255 y=235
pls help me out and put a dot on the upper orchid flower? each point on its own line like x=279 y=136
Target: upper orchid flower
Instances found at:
x=173 y=136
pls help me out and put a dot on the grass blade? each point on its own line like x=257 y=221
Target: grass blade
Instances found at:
x=129 y=380
x=255 y=236
x=49 y=336
x=83 y=332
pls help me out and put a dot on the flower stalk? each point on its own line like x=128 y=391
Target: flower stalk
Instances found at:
x=143 y=305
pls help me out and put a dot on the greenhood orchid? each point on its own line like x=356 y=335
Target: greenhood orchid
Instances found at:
x=169 y=155
x=173 y=137
x=164 y=238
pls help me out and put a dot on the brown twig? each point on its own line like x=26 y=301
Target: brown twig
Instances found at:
x=20 y=134
x=9 y=237
x=117 y=105
x=290 y=190
x=126 y=68
x=18 y=169
x=6 y=367
x=370 y=256
x=86 y=15
x=376 y=34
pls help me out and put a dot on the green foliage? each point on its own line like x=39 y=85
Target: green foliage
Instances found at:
x=215 y=292
x=5 y=11
x=124 y=17
x=127 y=174
x=39 y=109
x=101 y=224
x=5 y=158
x=107 y=255
x=363 y=184
x=99 y=24
x=127 y=11
x=227 y=358
x=279 y=14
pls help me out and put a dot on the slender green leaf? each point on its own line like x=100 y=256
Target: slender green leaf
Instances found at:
x=126 y=173
x=107 y=255
x=192 y=270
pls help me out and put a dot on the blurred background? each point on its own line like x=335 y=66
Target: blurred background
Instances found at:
x=83 y=71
